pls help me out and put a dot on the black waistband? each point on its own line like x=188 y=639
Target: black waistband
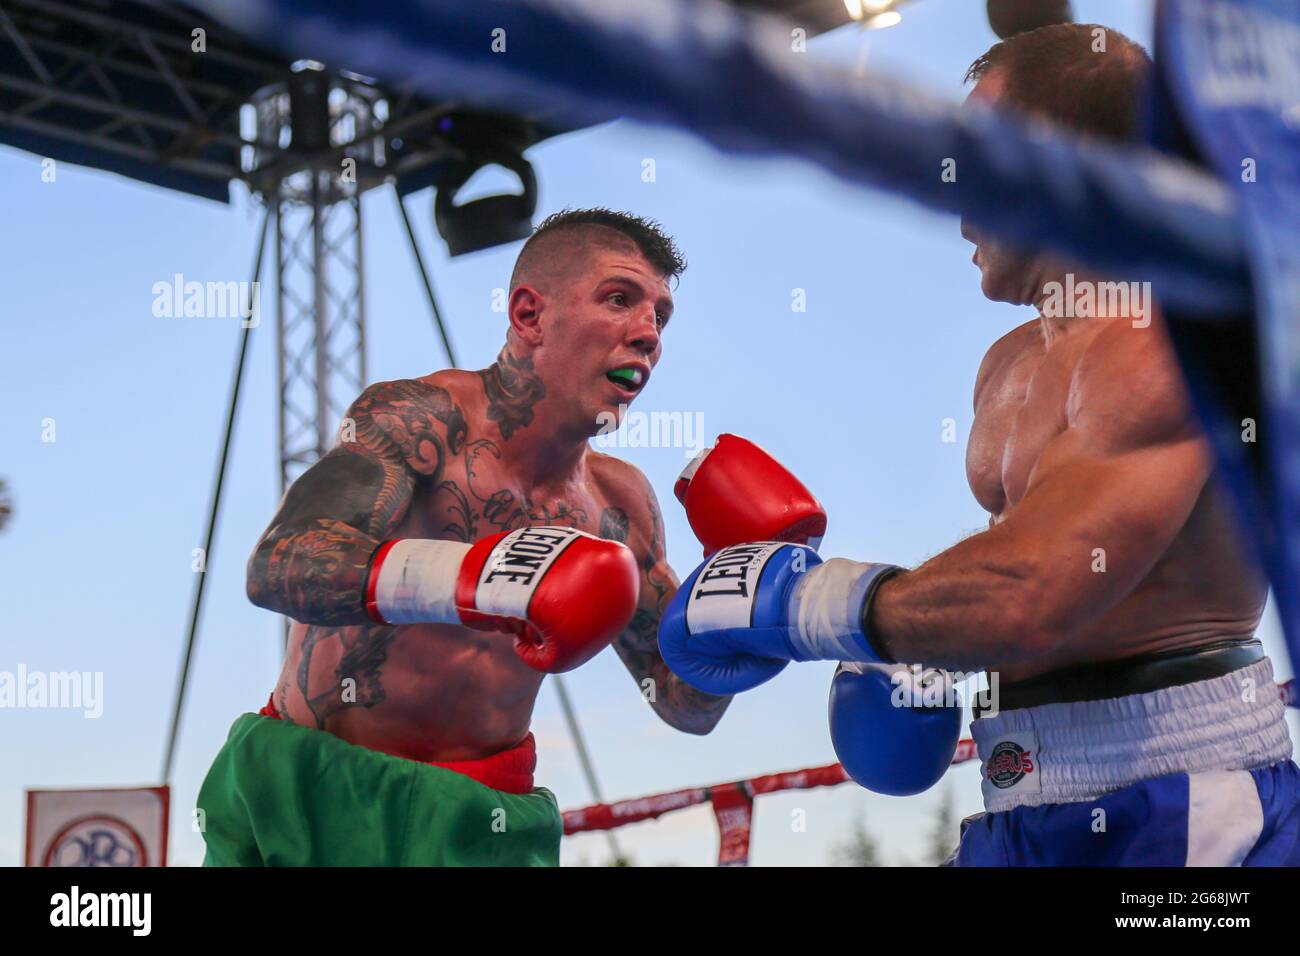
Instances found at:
x=1133 y=675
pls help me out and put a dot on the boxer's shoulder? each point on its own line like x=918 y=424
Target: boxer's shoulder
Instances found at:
x=1005 y=354
x=402 y=415
x=458 y=386
x=1127 y=380
x=614 y=476
x=631 y=510
x=435 y=392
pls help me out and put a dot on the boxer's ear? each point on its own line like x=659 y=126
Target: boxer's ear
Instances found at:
x=525 y=314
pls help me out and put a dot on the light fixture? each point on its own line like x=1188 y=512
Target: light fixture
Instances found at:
x=883 y=20
x=476 y=141
x=1009 y=17
x=874 y=14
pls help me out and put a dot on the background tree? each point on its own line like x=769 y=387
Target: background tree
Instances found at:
x=943 y=835
x=858 y=848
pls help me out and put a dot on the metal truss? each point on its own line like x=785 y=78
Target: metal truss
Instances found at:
x=122 y=83
x=320 y=319
x=325 y=156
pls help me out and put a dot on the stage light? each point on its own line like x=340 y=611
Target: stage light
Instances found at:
x=861 y=10
x=883 y=20
x=476 y=142
x=1009 y=17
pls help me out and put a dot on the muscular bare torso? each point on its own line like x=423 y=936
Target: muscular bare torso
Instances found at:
x=443 y=692
x=1202 y=589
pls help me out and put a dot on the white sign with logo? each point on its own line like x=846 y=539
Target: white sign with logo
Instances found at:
x=97 y=827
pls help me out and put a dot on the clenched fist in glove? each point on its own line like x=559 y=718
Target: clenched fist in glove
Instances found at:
x=563 y=593
x=735 y=492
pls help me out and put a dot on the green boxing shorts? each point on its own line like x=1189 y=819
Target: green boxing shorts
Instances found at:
x=283 y=795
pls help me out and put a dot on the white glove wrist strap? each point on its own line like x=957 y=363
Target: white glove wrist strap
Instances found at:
x=826 y=610
x=416 y=581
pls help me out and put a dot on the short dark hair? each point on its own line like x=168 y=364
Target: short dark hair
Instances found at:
x=654 y=244
x=1056 y=71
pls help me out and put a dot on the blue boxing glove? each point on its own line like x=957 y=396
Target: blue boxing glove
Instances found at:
x=894 y=734
x=725 y=629
x=750 y=609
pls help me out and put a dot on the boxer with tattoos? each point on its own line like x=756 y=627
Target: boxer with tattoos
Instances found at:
x=460 y=541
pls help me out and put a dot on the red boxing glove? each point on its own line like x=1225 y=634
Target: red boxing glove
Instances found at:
x=564 y=594
x=735 y=492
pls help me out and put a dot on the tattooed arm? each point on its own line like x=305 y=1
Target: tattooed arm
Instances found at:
x=677 y=703
x=311 y=563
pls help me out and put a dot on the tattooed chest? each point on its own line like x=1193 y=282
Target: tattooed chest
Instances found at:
x=475 y=497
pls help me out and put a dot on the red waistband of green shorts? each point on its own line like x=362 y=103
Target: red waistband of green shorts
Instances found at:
x=510 y=771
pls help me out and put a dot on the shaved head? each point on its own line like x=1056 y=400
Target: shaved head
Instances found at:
x=564 y=245
x=555 y=259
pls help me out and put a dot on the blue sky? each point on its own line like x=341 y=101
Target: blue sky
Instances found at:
x=851 y=393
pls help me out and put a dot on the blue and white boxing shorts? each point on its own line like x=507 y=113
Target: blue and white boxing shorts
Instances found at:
x=1198 y=774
